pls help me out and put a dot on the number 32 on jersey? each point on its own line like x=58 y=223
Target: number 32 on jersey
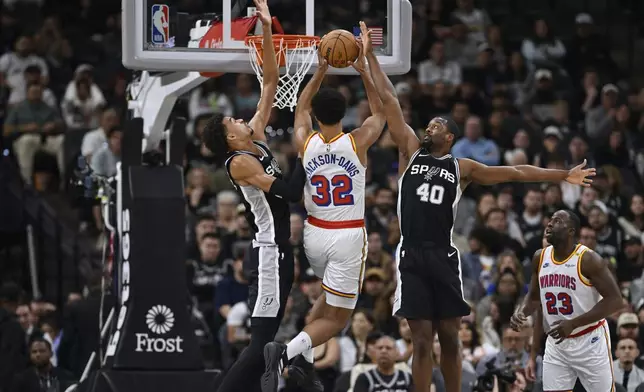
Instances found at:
x=337 y=191
x=432 y=194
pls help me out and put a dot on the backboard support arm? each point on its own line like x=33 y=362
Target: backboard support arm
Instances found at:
x=153 y=98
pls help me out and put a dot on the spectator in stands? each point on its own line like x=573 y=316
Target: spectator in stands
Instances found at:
x=82 y=110
x=198 y=189
x=95 y=139
x=512 y=352
x=540 y=103
x=237 y=331
x=43 y=375
x=439 y=69
x=50 y=326
x=476 y=19
x=13 y=64
x=107 y=156
x=205 y=273
x=205 y=223
x=384 y=372
x=232 y=289
x=609 y=236
x=226 y=207
x=12 y=336
x=636 y=211
x=36 y=126
x=461 y=48
x=84 y=73
x=626 y=373
x=245 y=98
x=208 y=99
x=475 y=146
x=588 y=49
x=32 y=74
x=28 y=321
x=543 y=49
x=353 y=345
x=600 y=120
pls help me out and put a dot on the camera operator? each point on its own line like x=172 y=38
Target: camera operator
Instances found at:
x=519 y=385
x=513 y=353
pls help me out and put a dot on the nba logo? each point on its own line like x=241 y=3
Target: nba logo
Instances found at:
x=160 y=24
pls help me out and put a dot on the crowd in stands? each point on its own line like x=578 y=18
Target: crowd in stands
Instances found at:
x=542 y=99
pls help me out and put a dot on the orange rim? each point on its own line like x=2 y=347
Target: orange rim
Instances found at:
x=290 y=40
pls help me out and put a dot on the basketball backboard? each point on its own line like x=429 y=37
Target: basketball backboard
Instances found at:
x=166 y=35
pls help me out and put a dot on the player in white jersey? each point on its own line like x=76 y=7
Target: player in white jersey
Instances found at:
x=572 y=291
x=335 y=239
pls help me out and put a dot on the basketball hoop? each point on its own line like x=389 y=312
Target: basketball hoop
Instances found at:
x=294 y=53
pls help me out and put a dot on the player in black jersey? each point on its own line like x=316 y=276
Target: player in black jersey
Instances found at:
x=429 y=292
x=258 y=178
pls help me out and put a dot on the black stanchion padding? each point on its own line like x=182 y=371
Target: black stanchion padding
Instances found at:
x=156 y=333
x=178 y=140
x=132 y=143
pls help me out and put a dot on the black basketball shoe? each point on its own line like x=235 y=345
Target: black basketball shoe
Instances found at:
x=302 y=372
x=275 y=359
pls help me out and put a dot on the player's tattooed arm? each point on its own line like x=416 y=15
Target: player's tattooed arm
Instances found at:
x=303 y=124
x=401 y=133
x=270 y=71
x=535 y=347
x=531 y=302
x=246 y=170
x=473 y=171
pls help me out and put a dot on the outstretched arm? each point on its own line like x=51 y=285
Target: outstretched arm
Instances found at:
x=246 y=170
x=371 y=129
x=596 y=273
x=401 y=133
x=303 y=124
x=472 y=171
x=271 y=74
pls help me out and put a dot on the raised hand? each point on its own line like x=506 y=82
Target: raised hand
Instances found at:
x=361 y=62
x=323 y=65
x=580 y=176
x=365 y=38
x=262 y=12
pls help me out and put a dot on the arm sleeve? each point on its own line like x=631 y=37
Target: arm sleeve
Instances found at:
x=293 y=189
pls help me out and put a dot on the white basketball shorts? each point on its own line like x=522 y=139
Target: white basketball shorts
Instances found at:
x=587 y=357
x=337 y=256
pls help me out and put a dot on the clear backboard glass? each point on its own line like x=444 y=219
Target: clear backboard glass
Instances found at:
x=208 y=36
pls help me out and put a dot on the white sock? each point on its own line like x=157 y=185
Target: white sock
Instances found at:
x=300 y=344
x=308 y=355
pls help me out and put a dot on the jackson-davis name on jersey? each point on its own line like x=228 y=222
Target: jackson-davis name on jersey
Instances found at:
x=432 y=171
x=331 y=159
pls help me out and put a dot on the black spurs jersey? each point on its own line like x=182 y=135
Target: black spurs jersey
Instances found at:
x=267 y=215
x=374 y=381
x=429 y=191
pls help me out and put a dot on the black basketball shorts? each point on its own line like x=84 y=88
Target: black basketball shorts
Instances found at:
x=429 y=286
x=269 y=269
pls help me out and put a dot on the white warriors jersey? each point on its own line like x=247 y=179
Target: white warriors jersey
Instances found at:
x=335 y=185
x=565 y=292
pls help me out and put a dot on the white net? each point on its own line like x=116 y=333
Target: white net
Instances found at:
x=297 y=56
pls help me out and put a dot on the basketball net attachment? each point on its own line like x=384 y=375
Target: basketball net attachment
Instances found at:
x=295 y=55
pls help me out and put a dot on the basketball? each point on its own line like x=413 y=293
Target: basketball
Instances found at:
x=339 y=47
